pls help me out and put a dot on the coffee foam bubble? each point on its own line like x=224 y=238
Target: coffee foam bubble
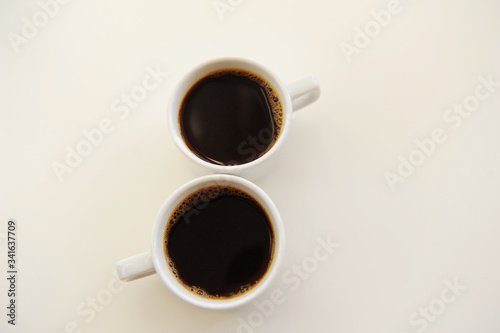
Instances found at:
x=196 y=201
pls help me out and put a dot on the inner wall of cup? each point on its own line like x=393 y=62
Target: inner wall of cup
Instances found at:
x=199 y=73
x=160 y=259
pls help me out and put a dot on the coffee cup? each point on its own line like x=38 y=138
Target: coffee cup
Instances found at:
x=230 y=115
x=217 y=242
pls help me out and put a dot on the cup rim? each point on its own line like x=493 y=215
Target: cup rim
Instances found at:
x=198 y=72
x=172 y=201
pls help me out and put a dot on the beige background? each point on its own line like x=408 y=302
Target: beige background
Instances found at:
x=398 y=250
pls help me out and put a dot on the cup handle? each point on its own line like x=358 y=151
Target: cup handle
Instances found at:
x=304 y=91
x=135 y=267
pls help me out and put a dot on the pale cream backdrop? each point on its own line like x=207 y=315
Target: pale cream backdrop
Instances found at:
x=420 y=255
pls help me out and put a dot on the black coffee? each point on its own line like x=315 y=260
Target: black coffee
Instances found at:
x=219 y=242
x=230 y=117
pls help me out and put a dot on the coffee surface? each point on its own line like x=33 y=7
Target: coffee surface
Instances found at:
x=230 y=117
x=219 y=242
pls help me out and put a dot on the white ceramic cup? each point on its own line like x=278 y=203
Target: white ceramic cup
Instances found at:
x=293 y=97
x=156 y=262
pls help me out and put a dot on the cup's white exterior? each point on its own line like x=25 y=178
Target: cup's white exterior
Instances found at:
x=293 y=97
x=155 y=261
